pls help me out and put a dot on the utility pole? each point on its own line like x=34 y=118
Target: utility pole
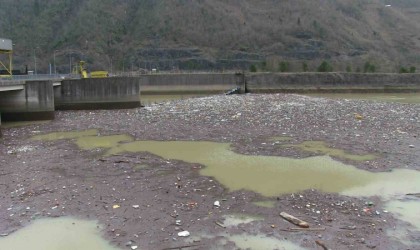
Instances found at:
x=55 y=67
x=36 y=72
x=70 y=63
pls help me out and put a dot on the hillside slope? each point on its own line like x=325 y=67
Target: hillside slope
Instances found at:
x=212 y=34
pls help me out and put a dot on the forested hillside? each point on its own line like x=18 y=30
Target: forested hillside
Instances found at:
x=119 y=35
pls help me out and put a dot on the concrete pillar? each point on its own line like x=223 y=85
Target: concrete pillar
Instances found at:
x=98 y=93
x=34 y=102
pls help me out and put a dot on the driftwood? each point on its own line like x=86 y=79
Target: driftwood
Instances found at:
x=181 y=247
x=416 y=195
x=294 y=220
x=297 y=229
x=219 y=224
x=307 y=229
x=321 y=244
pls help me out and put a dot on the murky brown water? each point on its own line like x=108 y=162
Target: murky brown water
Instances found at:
x=411 y=98
x=233 y=220
x=66 y=135
x=57 y=234
x=21 y=124
x=267 y=204
x=92 y=142
x=409 y=212
x=272 y=176
x=320 y=147
x=268 y=175
x=244 y=241
x=261 y=242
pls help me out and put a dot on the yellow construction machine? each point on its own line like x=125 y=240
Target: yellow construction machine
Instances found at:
x=82 y=71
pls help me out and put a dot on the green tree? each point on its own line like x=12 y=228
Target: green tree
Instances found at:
x=348 y=68
x=325 y=67
x=264 y=65
x=283 y=66
x=412 y=69
x=253 y=68
x=403 y=70
x=369 y=68
x=304 y=67
x=37 y=8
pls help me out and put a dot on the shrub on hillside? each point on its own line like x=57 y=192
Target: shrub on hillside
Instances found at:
x=403 y=70
x=283 y=66
x=253 y=68
x=325 y=67
x=304 y=67
x=369 y=68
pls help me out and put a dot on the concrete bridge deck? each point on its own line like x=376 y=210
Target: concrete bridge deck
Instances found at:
x=11 y=85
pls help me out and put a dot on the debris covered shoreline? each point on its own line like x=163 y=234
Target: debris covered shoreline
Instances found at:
x=146 y=200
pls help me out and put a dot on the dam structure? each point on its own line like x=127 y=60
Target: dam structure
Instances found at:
x=38 y=99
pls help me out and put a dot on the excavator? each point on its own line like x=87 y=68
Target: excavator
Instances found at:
x=82 y=71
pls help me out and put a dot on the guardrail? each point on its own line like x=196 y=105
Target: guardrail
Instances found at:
x=39 y=77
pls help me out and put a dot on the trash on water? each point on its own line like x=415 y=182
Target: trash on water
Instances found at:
x=184 y=234
x=217 y=204
x=116 y=206
x=358 y=116
x=369 y=203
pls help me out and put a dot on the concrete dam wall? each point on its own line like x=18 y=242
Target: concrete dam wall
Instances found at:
x=98 y=93
x=190 y=83
x=331 y=82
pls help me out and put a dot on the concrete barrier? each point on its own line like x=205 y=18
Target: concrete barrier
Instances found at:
x=331 y=82
x=34 y=102
x=190 y=83
x=98 y=93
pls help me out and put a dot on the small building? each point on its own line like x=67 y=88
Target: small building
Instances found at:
x=6 y=55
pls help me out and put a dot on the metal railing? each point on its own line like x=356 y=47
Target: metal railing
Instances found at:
x=41 y=77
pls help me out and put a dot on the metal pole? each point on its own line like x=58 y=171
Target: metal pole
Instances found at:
x=11 y=62
x=55 y=68
x=36 y=72
x=69 y=63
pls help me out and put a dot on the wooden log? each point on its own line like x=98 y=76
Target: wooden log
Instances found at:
x=294 y=220
x=298 y=229
x=307 y=229
x=321 y=244
x=181 y=247
x=220 y=224
x=415 y=194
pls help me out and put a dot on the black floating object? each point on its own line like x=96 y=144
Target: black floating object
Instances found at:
x=233 y=91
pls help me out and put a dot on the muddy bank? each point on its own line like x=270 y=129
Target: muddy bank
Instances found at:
x=56 y=178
